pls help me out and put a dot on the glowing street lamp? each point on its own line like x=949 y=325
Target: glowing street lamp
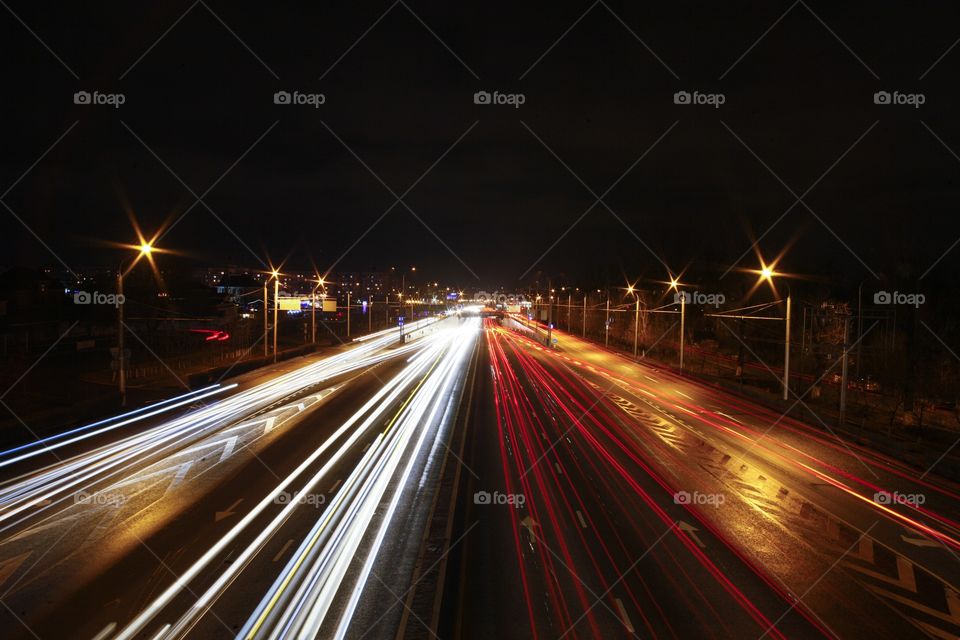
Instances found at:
x=313 y=308
x=767 y=273
x=144 y=249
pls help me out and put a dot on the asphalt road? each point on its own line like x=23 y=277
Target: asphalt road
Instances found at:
x=658 y=507
x=90 y=541
x=596 y=497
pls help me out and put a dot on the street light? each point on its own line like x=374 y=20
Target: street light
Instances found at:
x=313 y=309
x=768 y=273
x=675 y=285
x=143 y=249
x=276 y=310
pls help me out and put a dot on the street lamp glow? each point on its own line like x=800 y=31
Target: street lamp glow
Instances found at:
x=674 y=283
x=145 y=248
x=767 y=273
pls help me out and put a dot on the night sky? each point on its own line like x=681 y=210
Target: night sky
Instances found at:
x=491 y=187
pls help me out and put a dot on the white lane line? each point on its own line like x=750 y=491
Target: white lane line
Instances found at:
x=721 y=413
x=651 y=379
x=366 y=447
x=162 y=632
x=335 y=485
x=648 y=393
x=683 y=394
x=105 y=632
x=559 y=470
x=283 y=550
x=623 y=615
x=583 y=523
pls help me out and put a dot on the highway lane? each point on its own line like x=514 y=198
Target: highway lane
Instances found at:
x=576 y=538
x=117 y=501
x=832 y=522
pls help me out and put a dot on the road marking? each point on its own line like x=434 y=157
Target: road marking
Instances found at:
x=105 y=632
x=691 y=531
x=920 y=542
x=529 y=523
x=283 y=550
x=683 y=394
x=268 y=427
x=721 y=413
x=162 y=632
x=367 y=446
x=228 y=449
x=583 y=523
x=335 y=485
x=559 y=470
x=648 y=393
x=220 y=515
x=651 y=379
x=623 y=616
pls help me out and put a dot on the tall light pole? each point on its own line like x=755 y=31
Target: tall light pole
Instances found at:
x=266 y=324
x=606 y=324
x=313 y=310
x=768 y=273
x=145 y=248
x=786 y=351
x=584 y=333
x=348 y=313
x=636 y=320
x=276 y=311
x=675 y=285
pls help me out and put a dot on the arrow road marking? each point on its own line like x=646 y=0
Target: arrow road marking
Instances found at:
x=220 y=515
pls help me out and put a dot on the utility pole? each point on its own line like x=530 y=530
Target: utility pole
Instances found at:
x=569 y=307
x=370 y=314
x=121 y=359
x=276 y=312
x=859 y=327
x=313 y=317
x=266 y=341
x=786 y=352
x=549 y=315
x=636 y=327
x=683 y=326
x=348 y=313
x=584 y=314
x=606 y=324
x=843 y=374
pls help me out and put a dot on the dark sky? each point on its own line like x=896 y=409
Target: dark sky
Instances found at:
x=799 y=107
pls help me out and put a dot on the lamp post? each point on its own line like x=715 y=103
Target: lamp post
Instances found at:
x=266 y=311
x=636 y=319
x=276 y=311
x=767 y=273
x=606 y=324
x=144 y=250
x=675 y=285
x=313 y=310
